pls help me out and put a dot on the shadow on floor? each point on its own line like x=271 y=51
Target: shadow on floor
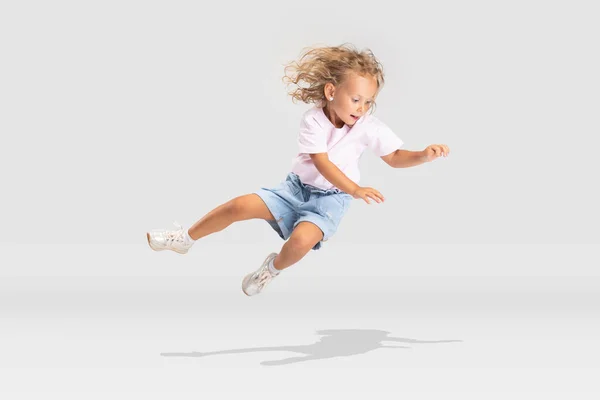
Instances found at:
x=333 y=343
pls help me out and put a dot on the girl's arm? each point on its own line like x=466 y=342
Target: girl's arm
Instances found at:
x=406 y=158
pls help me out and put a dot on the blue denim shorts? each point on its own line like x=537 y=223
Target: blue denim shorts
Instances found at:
x=292 y=202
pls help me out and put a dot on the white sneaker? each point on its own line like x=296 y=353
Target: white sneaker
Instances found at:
x=255 y=282
x=162 y=239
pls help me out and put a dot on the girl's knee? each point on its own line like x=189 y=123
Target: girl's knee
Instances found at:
x=304 y=241
x=234 y=206
x=249 y=206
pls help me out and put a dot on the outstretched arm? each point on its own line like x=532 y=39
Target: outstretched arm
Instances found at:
x=406 y=158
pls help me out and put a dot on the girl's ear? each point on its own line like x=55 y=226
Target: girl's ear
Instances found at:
x=329 y=90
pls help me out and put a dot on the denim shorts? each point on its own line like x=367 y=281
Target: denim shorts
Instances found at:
x=292 y=202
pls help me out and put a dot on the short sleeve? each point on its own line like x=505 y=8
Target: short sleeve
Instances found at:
x=312 y=137
x=382 y=140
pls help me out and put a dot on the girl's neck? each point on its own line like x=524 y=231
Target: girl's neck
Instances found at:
x=332 y=117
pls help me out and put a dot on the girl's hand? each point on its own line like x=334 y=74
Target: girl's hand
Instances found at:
x=434 y=151
x=368 y=192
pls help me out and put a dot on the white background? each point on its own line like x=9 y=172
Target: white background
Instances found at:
x=118 y=117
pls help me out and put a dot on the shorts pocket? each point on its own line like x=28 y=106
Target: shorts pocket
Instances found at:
x=333 y=206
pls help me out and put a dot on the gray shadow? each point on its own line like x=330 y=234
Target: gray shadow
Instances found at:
x=333 y=343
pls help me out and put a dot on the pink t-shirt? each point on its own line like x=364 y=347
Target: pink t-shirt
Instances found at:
x=344 y=146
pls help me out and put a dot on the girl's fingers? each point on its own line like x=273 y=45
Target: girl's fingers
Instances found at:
x=376 y=197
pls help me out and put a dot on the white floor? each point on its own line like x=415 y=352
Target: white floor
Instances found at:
x=130 y=336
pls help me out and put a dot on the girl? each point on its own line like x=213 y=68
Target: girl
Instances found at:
x=308 y=206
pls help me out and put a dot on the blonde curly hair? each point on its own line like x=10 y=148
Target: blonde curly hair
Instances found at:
x=318 y=66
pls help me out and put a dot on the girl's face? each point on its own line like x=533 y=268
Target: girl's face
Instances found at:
x=351 y=99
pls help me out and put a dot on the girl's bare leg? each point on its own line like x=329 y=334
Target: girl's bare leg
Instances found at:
x=241 y=208
x=301 y=241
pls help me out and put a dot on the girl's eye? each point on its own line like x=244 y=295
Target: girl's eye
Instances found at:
x=355 y=100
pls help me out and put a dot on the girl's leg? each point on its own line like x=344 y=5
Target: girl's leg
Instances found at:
x=301 y=241
x=241 y=208
x=303 y=238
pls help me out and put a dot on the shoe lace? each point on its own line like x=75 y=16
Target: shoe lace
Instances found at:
x=262 y=278
x=175 y=236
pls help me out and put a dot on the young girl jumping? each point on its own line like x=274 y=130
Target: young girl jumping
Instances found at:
x=308 y=206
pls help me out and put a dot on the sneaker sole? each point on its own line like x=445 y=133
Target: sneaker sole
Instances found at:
x=160 y=249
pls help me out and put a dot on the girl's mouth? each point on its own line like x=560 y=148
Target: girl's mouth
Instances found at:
x=354 y=118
